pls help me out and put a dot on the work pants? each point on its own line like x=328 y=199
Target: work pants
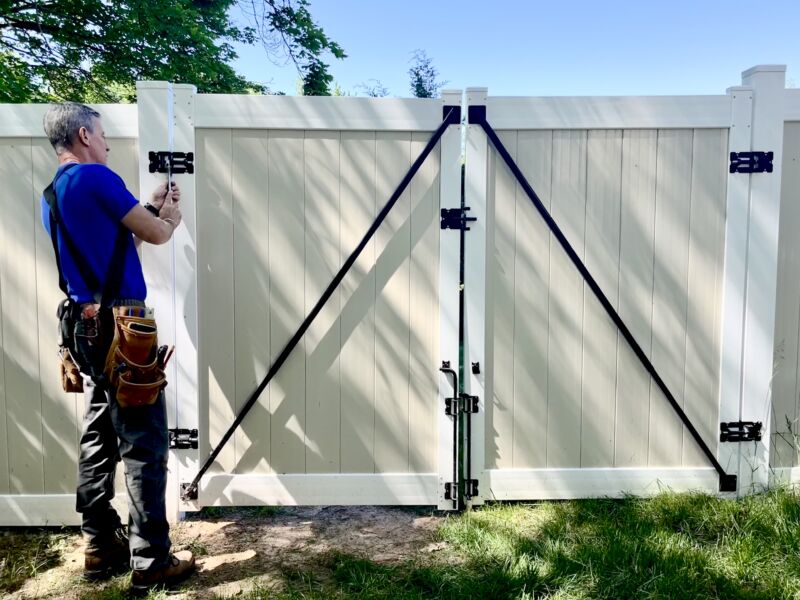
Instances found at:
x=137 y=436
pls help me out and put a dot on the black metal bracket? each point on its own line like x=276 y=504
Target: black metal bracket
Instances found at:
x=471 y=488
x=450 y=491
x=183 y=439
x=188 y=492
x=740 y=431
x=463 y=403
x=171 y=162
x=476 y=115
x=451 y=114
x=456 y=218
x=751 y=162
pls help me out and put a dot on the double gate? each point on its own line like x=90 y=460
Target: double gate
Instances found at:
x=385 y=316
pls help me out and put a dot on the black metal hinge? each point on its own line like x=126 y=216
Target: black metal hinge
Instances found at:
x=183 y=439
x=751 y=162
x=740 y=431
x=171 y=162
x=456 y=218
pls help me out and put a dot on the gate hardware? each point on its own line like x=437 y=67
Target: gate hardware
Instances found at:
x=171 y=162
x=740 y=431
x=727 y=483
x=471 y=488
x=456 y=218
x=464 y=403
x=183 y=439
x=751 y=162
x=450 y=491
x=449 y=119
x=451 y=113
x=476 y=368
x=187 y=492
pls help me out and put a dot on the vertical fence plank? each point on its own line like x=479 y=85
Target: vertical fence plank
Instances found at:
x=323 y=340
x=251 y=309
x=58 y=409
x=20 y=342
x=287 y=265
x=707 y=224
x=604 y=175
x=424 y=309
x=673 y=205
x=785 y=394
x=531 y=299
x=392 y=246
x=4 y=424
x=215 y=298
x=500 y=442
x=566 y=301
x=637 y=230
x=357 y=359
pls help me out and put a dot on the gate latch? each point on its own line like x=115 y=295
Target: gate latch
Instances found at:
x=171 y=162
x=456 y=218
x=740 y=431
x=183 y=439
x=463 y=403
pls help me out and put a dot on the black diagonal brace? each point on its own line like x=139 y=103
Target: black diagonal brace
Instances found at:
x=727 y=483
x=450 y=117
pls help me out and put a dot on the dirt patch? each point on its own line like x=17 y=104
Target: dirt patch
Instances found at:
x=236 y=548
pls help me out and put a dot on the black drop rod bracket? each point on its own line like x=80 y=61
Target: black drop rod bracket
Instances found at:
x=727 y=482
x=450 y=117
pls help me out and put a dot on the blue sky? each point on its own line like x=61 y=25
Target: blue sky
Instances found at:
x=552 y=48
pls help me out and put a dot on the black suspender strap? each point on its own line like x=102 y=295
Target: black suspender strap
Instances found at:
x=103 y=292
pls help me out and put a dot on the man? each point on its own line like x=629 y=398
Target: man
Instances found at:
x=94 y=205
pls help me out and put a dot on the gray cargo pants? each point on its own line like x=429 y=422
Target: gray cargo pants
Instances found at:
x=138 y=437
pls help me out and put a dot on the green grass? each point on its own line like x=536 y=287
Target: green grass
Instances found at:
x=24 y=554
x=672 y=546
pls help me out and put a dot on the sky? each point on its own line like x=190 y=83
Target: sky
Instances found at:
x=554 y=48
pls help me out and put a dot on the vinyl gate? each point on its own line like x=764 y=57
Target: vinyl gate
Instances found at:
x=450 y=366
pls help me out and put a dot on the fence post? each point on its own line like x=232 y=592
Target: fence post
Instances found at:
x=449 y=197
x=750 y=272
x=166 y=123
x=475 y=190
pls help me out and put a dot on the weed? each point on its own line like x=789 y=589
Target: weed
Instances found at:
x=24 y=555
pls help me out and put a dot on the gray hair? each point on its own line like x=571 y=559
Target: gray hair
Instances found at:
x=62 y=122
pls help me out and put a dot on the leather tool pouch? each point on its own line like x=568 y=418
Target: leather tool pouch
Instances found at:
x=71 y=381
x=132 y=366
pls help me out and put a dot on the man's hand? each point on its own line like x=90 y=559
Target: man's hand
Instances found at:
x=170 y=209
x=160 y=194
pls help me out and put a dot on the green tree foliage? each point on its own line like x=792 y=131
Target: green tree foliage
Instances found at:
x=424 y=76
x=95 y=50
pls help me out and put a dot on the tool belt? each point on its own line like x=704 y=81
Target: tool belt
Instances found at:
x=134 y=366
x=68 y=369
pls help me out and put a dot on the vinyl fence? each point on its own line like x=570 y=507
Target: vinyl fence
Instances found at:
x=284 y=188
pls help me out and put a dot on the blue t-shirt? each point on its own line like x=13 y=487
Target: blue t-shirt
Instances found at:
x=92 y=200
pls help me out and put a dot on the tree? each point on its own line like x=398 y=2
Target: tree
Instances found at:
x=423 y=76
x=373 y=88
x=94 y=50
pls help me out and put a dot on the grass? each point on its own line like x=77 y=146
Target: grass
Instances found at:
x=23 y=555
x=672 y=546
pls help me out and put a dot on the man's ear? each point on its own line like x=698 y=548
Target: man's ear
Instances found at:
x=83 y=136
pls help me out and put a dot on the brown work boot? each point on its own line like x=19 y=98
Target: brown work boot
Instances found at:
x=105 y=559
x=178 y=568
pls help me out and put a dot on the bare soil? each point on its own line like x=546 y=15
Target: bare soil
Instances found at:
x=236 y=549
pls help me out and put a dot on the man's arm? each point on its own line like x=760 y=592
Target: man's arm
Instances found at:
x=155 y=230
x=147 y=227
